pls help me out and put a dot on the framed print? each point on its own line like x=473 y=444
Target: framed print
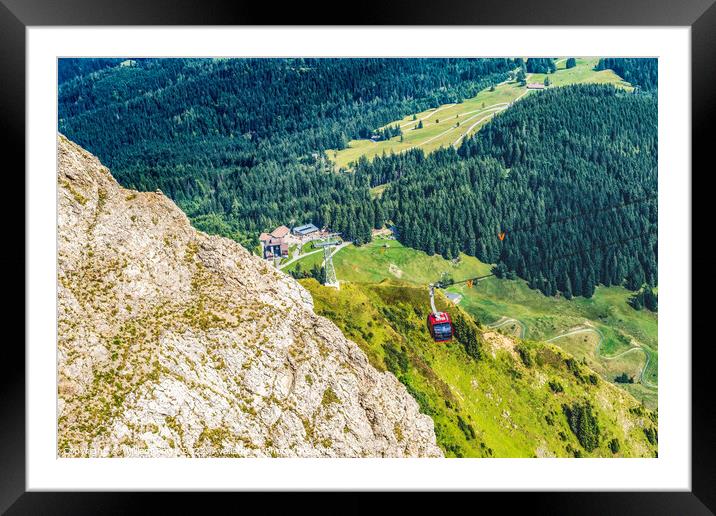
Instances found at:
x=425 y=256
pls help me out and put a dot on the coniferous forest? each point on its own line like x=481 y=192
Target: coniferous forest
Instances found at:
x=238 y=143
x=569 y=174
x=642 y=73
x=540 y=65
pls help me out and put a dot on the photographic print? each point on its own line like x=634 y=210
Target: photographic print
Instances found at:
x=357 y=257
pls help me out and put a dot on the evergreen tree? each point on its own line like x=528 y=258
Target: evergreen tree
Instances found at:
x=521 y=77
x=378 y=215
x=567 y=287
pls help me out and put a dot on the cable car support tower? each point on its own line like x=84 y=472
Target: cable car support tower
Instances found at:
x=331 y=241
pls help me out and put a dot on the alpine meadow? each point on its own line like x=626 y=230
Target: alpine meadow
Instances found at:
x=358 y=257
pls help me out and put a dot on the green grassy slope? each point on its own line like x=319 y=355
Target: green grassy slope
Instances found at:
x=607 y=313
x=389 y=259
x=542 y=317
x=497 y=405
x=448 y=123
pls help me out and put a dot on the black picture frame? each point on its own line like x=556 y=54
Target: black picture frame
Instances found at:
x=17 y=15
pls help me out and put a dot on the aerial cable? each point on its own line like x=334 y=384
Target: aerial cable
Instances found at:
x=583 y=214
x=447 y=283
x=603 y=209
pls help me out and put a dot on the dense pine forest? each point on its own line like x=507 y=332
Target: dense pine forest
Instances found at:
x=640 y=72
x=541 y=65
x=569 y=174
x=238 y=143
x=70 y=68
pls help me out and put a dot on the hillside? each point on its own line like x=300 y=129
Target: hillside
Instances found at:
x=175 y=343
x=448 y=124
x=490 y=395
x=569 y=175
x=605 y=329
x=238 y=143
x=527 y=188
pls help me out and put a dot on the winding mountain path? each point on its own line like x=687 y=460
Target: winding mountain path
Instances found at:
x=503 y=321
x=493 y=108
x=598 y=353
x=406 y=124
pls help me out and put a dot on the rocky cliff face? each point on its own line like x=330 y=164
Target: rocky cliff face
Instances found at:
x=175 y=343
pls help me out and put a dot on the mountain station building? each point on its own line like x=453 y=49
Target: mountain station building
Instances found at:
x=274 y=244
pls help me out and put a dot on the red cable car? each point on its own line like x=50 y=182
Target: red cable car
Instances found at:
x=440 y=326
x=439 y=323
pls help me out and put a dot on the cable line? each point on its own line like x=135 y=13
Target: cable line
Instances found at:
x=476 y=279
x=584 y=213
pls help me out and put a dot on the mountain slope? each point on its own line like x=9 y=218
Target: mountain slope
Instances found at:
x=489 y=395
x=569 y=175
x=175 y=343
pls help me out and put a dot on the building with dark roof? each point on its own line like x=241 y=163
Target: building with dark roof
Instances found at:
x=304 y=230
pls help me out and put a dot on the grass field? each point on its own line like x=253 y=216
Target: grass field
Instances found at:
x=388 y=259
x=449 y=123
x=584 y=347
x=583 y=73
x=307 y=262
x=541 y=317
x=547 y=317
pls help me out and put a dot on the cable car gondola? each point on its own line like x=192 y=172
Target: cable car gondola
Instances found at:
x=439 y=323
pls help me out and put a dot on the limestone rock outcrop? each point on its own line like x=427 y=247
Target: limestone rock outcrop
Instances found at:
x=175 y=343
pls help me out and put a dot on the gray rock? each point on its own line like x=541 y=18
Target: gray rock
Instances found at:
x=176 y=343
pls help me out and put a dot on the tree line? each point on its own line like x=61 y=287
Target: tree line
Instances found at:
x=541 y=65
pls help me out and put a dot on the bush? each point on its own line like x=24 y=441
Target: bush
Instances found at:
x=466 y=428
x=573 y=367
x=555 y=386
x=614 y=445
x=525 y=355
x=423 y=401
x=396 y=360
x=645 y=298
x=583 y=422
x=317 y=272
x=624 y=378
x=466 y=335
